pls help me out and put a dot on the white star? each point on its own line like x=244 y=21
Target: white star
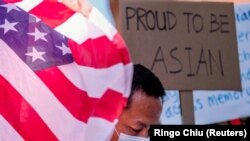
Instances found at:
x=8 y=26
x=64 y=49
x=36 y=55
x=10 y=7
x=38 y=35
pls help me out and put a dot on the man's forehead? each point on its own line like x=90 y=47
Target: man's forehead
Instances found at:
x=141 y=97
x=145 y=109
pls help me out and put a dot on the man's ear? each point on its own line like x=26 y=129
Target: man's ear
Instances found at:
x=82 y=6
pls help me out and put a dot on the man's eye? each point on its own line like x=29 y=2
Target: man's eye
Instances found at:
x=136 y=130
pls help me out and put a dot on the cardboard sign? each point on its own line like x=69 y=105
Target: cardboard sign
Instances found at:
x=188 y=45
x=217 y=106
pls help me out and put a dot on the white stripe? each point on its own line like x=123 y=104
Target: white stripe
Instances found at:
x=97 y=18
x=128 y=78
x=102 y=129
x=75 y=28
x=27 y=5
x=80 y=29
x=7 y=132
x=72 y=73
x=116 y=77
x=53 y=113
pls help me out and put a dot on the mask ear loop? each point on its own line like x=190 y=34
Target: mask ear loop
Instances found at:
x=116 y=120
x=116 y=132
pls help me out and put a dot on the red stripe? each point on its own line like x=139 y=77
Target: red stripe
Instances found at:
x=78 y=103
x=122 y=47
x=100 y=52
x=75 y=100
x=19 y=113
x=52 y=13
x=110 y=105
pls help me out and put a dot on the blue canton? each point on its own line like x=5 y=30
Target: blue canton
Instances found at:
x=38 y=45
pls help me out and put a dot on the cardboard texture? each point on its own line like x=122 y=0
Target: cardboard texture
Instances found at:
x=188 y=45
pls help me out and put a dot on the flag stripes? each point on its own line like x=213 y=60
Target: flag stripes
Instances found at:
x=13 y=105
x=64 y=100
x=9 y=132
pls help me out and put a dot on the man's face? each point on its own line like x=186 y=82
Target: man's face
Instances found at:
x=143 y=111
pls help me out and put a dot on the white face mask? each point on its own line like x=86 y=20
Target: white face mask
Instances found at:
x=124 y=137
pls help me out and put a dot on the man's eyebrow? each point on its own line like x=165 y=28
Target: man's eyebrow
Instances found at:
x=142 y=124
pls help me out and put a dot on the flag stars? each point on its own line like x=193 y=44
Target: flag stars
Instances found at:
x=65 y=50
x=38 y=35
x=7 y=26
x=10 y=7
x=36 y=55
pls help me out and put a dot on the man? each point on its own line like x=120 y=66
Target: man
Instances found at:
x=143 y=108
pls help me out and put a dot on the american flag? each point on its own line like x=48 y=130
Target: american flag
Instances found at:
x=63 y=76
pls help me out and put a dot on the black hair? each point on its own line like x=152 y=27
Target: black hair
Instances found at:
x=145 y=80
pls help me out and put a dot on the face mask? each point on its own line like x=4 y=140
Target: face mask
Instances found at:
x=124 y=137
